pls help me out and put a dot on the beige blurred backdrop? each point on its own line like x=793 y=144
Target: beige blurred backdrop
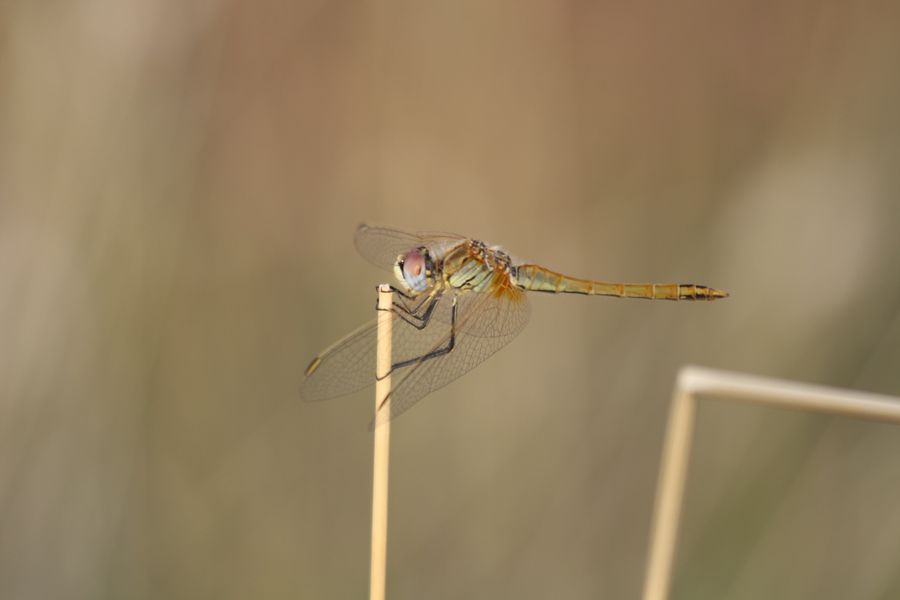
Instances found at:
x=179 y=186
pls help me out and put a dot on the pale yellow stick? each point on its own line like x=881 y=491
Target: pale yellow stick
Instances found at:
x=669 y=494
x=699 y=381
x=695 y=382
x=382 y=447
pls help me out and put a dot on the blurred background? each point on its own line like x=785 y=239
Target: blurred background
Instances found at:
x=179 y=187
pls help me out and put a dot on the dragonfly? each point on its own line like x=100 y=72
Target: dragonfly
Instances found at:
x=457 y=302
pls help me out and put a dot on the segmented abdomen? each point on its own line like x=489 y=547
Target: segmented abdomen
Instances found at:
x=540 y=279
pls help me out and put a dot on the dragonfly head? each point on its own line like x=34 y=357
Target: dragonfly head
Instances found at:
x=415 y=269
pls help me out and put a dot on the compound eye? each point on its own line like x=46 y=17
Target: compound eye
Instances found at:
x=415 y=269
x=413 y=264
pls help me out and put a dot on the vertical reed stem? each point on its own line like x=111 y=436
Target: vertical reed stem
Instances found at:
x=382 y=447
x=669 y=495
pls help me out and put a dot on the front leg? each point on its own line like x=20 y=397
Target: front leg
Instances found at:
x=412 y=305
x=429 y=303
x=409 y=303
x=451 y=343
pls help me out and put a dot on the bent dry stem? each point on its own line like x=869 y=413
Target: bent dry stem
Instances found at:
x=694 y=383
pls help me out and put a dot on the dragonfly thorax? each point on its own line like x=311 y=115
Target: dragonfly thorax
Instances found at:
x=475 y=266
x=415 y=269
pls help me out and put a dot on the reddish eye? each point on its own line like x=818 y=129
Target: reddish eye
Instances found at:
x=414 y=263
x=412 y=269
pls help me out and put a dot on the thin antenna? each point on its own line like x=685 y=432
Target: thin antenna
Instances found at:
x=382 y=436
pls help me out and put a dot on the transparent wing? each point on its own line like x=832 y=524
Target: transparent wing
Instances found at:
x=496 y=319
x=344 y=367
x=484 y=324
x=382 y=245
x=348 y=365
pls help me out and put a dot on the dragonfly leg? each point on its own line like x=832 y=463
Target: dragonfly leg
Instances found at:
x=411 y=315
x=423 y=300
x=439 y=351
x=402 y=293
x=412 y=310
x=402 y=305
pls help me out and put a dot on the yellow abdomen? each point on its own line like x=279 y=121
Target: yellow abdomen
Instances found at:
x=539 y=279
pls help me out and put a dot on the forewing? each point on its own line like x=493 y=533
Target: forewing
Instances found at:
x=484 y=324
x=344 y=367
x=349 y=364
x=382 y=245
